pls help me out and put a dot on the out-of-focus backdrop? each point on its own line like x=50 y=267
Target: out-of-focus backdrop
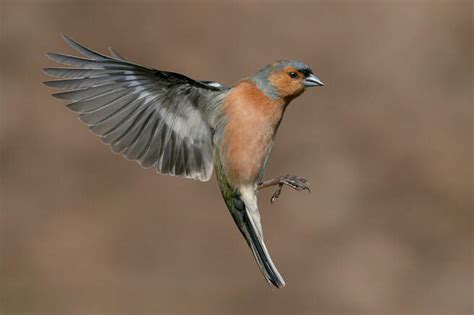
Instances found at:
x=386 y=144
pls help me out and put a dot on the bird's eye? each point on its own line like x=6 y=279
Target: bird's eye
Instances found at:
x=293 y=74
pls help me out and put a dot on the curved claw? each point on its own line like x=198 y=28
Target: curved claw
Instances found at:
x=277 y=193
x=295 y=182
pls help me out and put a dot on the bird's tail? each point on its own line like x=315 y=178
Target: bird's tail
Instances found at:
x=245 y=213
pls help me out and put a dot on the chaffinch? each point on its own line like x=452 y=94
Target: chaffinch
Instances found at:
x=184 y=127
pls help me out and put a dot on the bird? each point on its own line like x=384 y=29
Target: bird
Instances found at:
x=185 y=127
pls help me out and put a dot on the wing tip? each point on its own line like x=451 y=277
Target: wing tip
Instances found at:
x=206 y=175
x=50 y=83
x=116 y=55
x=48 y=71
x=45 y=71
x=71 y=42
x=50 y=55
x=58 y=57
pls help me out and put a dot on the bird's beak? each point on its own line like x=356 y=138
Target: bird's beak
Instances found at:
x=312 y=80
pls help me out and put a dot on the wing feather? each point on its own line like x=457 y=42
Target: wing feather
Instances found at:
x=159 y=119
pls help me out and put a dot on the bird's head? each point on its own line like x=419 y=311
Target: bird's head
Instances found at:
x=285 y=79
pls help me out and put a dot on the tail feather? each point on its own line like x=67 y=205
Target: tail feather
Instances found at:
x=260 y=252
x=242 y=204
x=245 y=213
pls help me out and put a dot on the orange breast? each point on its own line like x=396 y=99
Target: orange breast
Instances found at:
x=252 y=121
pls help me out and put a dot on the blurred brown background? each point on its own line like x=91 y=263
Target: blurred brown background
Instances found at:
x=386 y=144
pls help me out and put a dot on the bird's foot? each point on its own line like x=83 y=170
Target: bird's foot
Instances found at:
x=295 y=182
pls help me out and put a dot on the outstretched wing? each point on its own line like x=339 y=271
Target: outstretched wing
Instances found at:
x=160 y=119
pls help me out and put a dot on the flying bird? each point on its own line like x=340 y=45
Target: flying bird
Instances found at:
x=185 y=127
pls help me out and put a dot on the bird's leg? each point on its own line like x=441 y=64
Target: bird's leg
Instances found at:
x=295 y=182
